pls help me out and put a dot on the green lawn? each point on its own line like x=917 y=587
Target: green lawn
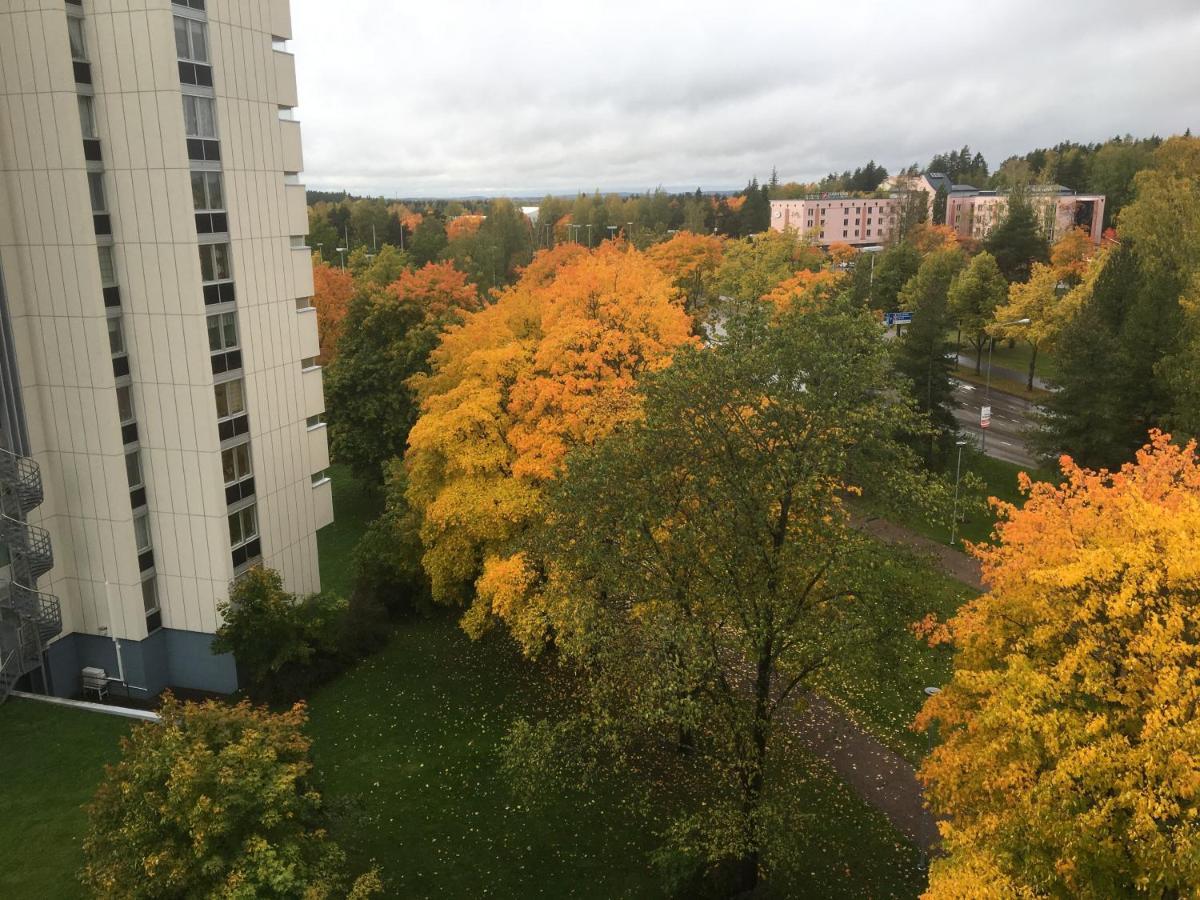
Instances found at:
x=406 y=751
x=975 y=525
x=883 y=692
x=1005 y=357
x=409 y=740
x=53 y=759
x=354 y=506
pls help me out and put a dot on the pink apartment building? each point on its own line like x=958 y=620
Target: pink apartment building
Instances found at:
x=838 y=218
x=1058 y=209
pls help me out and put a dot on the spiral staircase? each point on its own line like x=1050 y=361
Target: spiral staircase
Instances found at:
x=29 y=618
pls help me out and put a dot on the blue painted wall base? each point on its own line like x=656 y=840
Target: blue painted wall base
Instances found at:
x=167 y=658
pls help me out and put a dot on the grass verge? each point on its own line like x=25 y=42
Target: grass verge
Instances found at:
x=1002 y=384
x=53 y=760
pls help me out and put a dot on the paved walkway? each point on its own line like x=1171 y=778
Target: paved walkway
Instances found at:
x=880 y=776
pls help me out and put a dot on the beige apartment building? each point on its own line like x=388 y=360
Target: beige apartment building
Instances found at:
x=161 y=412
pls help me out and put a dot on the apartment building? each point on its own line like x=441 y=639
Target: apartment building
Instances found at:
x=973 y=213
x=1058 y=210
x=161 y=411
x=839 y=218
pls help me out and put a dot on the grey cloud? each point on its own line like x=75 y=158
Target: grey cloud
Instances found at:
x=467 y=96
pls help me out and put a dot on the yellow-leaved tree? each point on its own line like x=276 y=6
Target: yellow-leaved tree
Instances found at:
x=549 y=366
x=1069 y=763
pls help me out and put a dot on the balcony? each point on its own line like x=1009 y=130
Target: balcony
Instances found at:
x=293 y=154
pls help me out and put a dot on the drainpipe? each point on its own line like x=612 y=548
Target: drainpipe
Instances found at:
x=120 y=679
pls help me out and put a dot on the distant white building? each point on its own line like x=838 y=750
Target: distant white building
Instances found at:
x=531 y=212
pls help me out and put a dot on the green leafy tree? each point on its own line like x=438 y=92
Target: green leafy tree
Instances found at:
x=428 y=241
x=924 y=353
x=702 y=568
x=975 y=294
x=215 y=801
x=1018 y=241
x=893 y=269
x=939 y=205
x=1108 y=364
x=753 y=266
x=386 y=338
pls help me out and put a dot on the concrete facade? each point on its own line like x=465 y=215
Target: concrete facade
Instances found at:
x=152 y=226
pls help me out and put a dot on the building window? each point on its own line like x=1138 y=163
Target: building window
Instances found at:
x=141 y=532
x=96 y=189
x=133 y=469
x=191 y=40
x=125 y=403
x=845 y=234
x=149 y=595
x=214 y=262
x=309 y=362
x=108 y=269
x=116 y=336
x=299 y=241
x=75 y=34
x=235 y=463
x=87 y=116
x=303 y=303
x=319 y=477
x=199 y=116
x=222 y=332
x=319 y=419
x=207 y=190
x=243 y=526
x=231 y=400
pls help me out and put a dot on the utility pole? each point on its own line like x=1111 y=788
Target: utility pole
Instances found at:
x=957 y=475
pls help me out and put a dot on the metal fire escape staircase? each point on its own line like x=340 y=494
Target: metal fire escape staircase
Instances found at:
x=29 y=618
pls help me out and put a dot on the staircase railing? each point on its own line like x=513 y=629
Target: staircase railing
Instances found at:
x=40 y=607
x=23 y=477
x=31 y=543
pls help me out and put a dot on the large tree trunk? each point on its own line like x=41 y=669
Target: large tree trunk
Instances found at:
x=752 y=782
x=1032 y=366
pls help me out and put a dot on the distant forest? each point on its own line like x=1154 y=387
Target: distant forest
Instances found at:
x=489 y=233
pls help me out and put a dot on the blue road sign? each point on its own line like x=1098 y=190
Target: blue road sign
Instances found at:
x=897 y=318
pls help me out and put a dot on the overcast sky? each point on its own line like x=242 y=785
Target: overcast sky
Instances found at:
x=517 y=97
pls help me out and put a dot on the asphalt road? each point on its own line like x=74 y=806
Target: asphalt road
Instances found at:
x=1010 y=416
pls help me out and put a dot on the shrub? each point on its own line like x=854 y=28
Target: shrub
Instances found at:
x=216 y=801
x=284 y=646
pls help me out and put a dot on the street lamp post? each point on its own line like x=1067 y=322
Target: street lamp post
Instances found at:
x=987 y=390
x=612 y=232
x=342 y=256
x=957 y=475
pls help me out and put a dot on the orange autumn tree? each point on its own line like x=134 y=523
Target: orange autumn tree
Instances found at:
x=806 y=289
x=463 y=226
x=927 y=238
x=691 y=261
x=1070 y=757
x=549 y=366
x=1071 y=253
x=333 y=289
x=842 y=254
